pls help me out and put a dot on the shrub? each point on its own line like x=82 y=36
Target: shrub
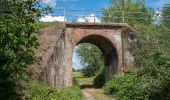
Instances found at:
x=18 y=20
x=151 y=80
x=134 y=86
x=88 y=71
x=75 y=82
x=39 y=91
x=91 y=58
x=71 y=93
x=99 y=79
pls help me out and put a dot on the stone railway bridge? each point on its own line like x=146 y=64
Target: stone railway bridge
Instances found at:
x=58 y=42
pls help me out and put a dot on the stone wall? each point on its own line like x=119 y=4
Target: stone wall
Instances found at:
x=52 y=47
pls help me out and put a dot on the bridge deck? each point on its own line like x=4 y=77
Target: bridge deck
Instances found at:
x=96 y=25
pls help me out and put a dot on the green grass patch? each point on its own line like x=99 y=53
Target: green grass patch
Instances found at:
x=48 y=24
x=83 y=80
x=39 y=91
x=77 y=75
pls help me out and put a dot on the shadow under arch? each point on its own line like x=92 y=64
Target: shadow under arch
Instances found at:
x=109 y=52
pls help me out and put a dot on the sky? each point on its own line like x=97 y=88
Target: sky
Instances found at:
x=86 y=5
x=95 y=4
x=58 y=15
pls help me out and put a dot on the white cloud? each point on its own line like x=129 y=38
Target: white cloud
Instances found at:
x=89 y=18
x=51 y=3
x=49 y=18
x=157 y=17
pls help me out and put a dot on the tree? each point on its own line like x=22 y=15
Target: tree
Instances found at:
x=18 y=19
x=149 y=79
x=128 y=11
x=91 y=59
x=166 y=15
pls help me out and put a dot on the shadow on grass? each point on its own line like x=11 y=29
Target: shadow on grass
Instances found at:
x=79 y=77
x=86 y=86
x=9 y=90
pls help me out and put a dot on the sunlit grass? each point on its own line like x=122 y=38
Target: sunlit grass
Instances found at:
x=48 y=24
x=83 y=80
x=39 y=91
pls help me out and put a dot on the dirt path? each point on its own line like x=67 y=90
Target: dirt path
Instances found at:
x=86 y=95
x=95 y=94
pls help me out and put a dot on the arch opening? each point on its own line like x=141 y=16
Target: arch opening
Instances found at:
x=88 y=66
x=109 y=51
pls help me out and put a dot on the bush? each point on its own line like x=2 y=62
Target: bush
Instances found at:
x=39 y=91
x=151 y=80
x=18 y=20
x=90 y=58
x=88 y=71
x=99 y=79
x=8 y=90
x=75 y=82
x=133 y=86
x=71 y=93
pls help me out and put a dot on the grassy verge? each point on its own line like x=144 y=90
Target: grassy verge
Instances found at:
x=48 y=24
x=88 y=81
x=39 y=91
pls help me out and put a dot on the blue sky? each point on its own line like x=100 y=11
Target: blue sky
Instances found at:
x=83 y=4
x=92 y=5
x=96 y=4
x=156 y=4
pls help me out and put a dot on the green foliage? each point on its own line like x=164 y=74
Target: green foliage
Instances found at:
x=16 y=43
x=88 y=71
x=91 y=59
x=151 y=80
x=48 y=24
x=133 y=12
x=18 y=19
x=120 y=85
x=151 y=41
x=82 y=81
x=72 y=93
x=99 y=79
x=75 y=82
x=8 y=90
x=166 y=15
x=137 y=86
x=39 y=91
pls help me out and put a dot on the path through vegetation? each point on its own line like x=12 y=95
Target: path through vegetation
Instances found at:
x=88 y=91
x=95 y=94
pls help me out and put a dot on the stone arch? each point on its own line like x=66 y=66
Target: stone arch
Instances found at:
x=109 y=51
x=109 y=41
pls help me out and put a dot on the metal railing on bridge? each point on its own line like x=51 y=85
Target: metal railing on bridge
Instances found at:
x=99 y=16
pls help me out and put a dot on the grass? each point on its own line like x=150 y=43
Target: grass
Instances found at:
x=87 y=85
x=98 y=94
x=86 y=81
x=39 y=91
x=48 y=24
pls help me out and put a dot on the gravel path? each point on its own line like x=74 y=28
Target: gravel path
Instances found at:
x=95 y=94
x=86 y=95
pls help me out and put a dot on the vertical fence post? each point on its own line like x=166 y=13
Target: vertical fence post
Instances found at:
x=64 y=15
x=94 y=15
x=123 y=16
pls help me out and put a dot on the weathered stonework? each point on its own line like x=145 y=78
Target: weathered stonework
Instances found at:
x=58 y=52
